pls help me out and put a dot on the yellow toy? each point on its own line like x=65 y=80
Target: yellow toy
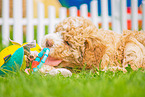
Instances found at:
x=36 y=48
x=10 y=50
x=14 y=55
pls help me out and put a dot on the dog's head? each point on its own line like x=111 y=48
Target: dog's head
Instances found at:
x=70 y=42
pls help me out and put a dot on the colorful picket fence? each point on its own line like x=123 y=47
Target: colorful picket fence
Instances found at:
x=118 y=18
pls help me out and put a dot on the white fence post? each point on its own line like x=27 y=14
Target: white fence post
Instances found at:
x=115 y=5
x=41 y=26
x=104 y=14
x=73 y=11
x=17 y=14
x=123 y=15
x=84 y=10
x=143 y=15
x=134 y=14
x=94 y=12
x=52 y=16
x=62 y=13
x=113 y=14
x=30 y=28
x=5 y=25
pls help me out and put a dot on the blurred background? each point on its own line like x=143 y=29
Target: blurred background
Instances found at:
x=23 y=26
x=68 y=4
x=65 y=3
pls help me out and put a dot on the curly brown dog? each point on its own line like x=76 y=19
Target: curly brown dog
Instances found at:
x=76 y=41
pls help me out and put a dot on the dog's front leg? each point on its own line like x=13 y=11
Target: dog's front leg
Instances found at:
x=54 y=71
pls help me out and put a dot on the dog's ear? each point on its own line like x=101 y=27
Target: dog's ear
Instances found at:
x=88 y=44
x=94 y=51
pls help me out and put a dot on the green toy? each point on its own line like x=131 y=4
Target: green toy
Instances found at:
x=12 y=56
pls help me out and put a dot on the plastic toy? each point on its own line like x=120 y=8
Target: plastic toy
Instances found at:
x=37 y=64
x=36 y=48
x=12 y=56
x=32 y=55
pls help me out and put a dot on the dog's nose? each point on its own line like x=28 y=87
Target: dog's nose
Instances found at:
x=49 y=43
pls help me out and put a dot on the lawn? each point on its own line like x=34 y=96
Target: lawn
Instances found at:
x=82 y=84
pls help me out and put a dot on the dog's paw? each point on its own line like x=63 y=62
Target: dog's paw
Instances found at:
x=46 y=68
x=62 y=71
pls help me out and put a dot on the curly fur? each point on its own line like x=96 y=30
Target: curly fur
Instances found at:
x=80 y=42
x=134 y=49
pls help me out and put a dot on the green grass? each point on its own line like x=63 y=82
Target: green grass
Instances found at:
x=83 y=84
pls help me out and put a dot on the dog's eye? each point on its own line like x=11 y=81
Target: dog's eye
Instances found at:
x=66 y=42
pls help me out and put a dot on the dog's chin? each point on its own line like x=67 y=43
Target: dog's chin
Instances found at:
x=52 y=61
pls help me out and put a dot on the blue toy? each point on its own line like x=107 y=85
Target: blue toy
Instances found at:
x=36 y=65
